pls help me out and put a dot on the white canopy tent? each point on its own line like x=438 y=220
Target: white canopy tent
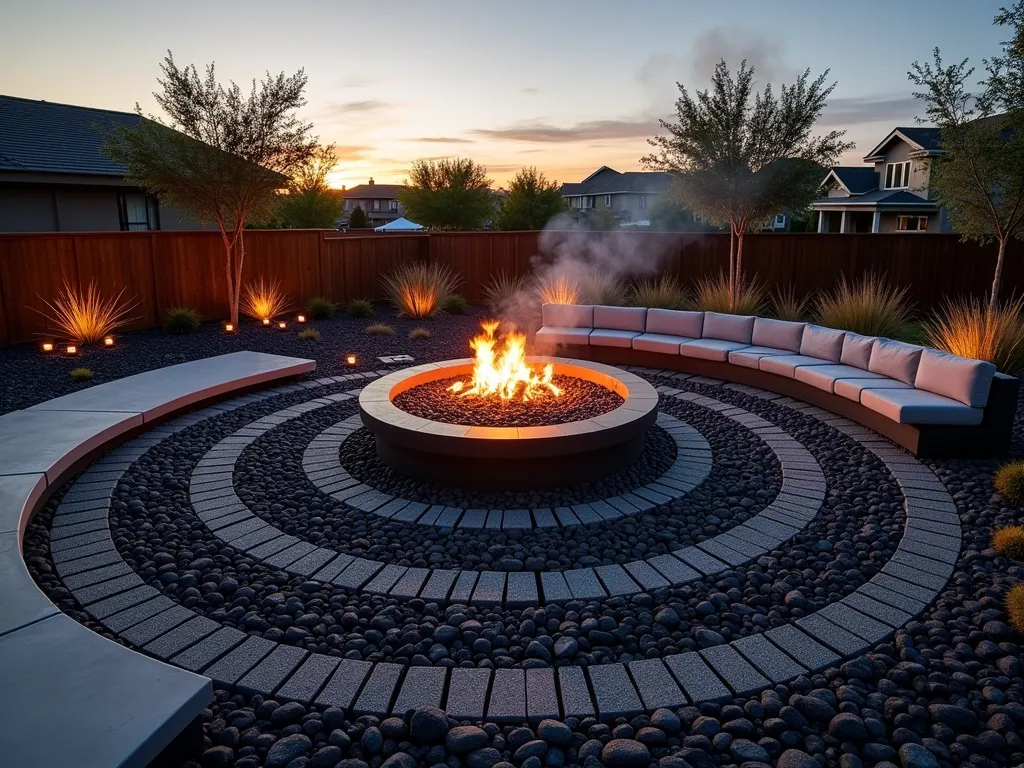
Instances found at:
x=400 y=224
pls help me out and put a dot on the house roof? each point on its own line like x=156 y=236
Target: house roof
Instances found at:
x=630 y=182
x=42 y=136
x=857 y=179
x=877 y=197
x=373 y=192
x=920 y=139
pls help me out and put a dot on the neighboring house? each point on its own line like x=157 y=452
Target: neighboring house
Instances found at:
x=54 y=178
x=378 y=201
x=630 y=195
x=891 y=194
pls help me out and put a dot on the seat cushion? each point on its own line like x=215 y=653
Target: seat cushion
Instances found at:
x=738 y=328
x=786 y=365
x=851 y=389
x=965 y=380
x=710 y=349
x=556 y=335
x=659 y=342
x=895 y=359
x=568 y=315
x=608 y=337
x=620 y=318
x=856 y=350
x=824 y=377
x=778 y=334
x=675 y=322
x=823 y=343
x=915 y=406
x=748 y=356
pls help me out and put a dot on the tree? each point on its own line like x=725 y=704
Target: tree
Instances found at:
x=222 y=156
x=603 y=220
x=979 y=177
x=669 y=215
x=532 y=201
x=310 y=202
x=453 y=193
x=738 y=164
x=357 y=219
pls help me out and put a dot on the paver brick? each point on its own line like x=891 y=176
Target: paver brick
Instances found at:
x=736 y=671
x=375 y=698
x=575 y=695
x=422 y=687
x=614 y=693
x=771 y=662
x=697 y=679
x=541 y=695
x=240 y=660
x=467 y=693
x=344 y=684
x=438 y=585
x=656 y=685
x=802 y=647
x=181 y=637
x=209 y=649
x=837 y=638
x=507 y=702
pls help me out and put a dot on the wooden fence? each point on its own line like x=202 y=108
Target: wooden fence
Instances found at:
x=168 y=269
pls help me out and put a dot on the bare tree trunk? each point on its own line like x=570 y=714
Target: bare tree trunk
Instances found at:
x=229 y=247
x=732 y=263
x=238 y=267
x=993 y=299
x=739 y=267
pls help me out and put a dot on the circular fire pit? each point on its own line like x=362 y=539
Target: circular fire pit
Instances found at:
x=509 y=457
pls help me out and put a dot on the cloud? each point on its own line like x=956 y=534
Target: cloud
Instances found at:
x=853 y=110
x=766 y=55
x=531 y=90
x=352 y=151
x=366 y=105
x=442 y=140
x=356 y=82
x=590 y=130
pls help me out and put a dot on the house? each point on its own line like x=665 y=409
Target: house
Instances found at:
x=378 y=201
x=55 y=178
x=630 y=195
x=889 y=195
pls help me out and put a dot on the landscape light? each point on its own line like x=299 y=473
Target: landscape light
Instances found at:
x=350 y=360
x=301 y=318
x=229 y=327
x=108 y=341
x=71 y=349
x=282 y=325
x=47 y=346
x=266 y=321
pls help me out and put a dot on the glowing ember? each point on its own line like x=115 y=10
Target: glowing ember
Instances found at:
x=504 y=372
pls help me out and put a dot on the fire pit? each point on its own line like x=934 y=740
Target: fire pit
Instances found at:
x=505 y=421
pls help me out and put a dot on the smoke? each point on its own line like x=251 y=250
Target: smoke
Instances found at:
x=766 y=55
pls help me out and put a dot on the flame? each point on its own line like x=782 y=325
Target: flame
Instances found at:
x=504 y=371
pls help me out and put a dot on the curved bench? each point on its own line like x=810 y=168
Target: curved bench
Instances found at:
x=104 y=704
x=930 y=402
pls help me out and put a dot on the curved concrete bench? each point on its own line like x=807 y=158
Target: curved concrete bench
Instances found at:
x=104 y=704
x=930 y=402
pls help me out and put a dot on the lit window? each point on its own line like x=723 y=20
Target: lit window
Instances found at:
x=137 y=212
x=394 y=205
x=912 y=223
x=897 y=175
x=643 y=201
x=607 y=201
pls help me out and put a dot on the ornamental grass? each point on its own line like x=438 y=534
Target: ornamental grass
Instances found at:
x=417 y=289
x=264 y=300
x=85 y=317
x=869 y=306
x=969 y=328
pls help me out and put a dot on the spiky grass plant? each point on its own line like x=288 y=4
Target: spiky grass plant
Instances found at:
x=419 y=333
x=1009 y=541
x=360 y=308
x=502 y=289
x=1015 y=607
x=600 y=287
x=869 y=306
x=417 y=289
x=264 y=299
x=455 y=304
x=712 y=295
x=664 y=292
x=558 y=289
x=181 y=320
x=969 y=328
x=320 y=308
x=81 y=374
x=309 y=334
x=380 y=329
x=785 y=304
x=87 y=316
x=1009 y=481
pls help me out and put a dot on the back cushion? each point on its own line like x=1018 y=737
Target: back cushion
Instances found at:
x=568 y=315
x=856 y=350
x=620 y=318
x=824 y=343
x=960 y=378
x=674 y=322
x=738 y=328
x=895 y=359
x=779 y=334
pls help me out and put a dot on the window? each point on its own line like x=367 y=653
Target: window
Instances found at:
x=348 y=205
x=911 y=223
x=394 y=205
x=591 y=201
x=607 y=201
x=643 y=201
x=137 y=212
x=780 y=221
x=897 y=175
x=376 y=205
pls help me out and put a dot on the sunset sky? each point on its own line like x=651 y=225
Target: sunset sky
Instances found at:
x=566 y=87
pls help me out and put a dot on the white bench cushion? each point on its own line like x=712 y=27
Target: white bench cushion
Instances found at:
x=914 y=406
x=856 y=350
x=675 y=322
x=965 y=380
x=738 y=328
x=620 y=318
x=786 y=365
x=778 y=334
x=710 y=349
x=659 y=342
x=823 y=343
x=851 y=389
x=824 y=377
x=895 y=359
x=607 y=337
x=559 y=335
x=568 y=315
x=749 y=356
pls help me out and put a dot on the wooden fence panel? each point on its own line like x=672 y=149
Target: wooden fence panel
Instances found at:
x=121 y=263
x=290 y=257
x=32 y=271
x=190 y=271
x=351 y=266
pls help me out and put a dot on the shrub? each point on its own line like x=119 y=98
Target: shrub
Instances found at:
x=1009 y=541
x=968 y=328
x=181 y=320
x=558 y=289
x=455 y=304
x=598 y=287
x=502 y=289
x=786 y=305
x=1015 y=607
x=264 y=300
x=309 y=334
x=87 y=317
x=379 y=329
x=871 y=307
x=417 y=289
x=419 y=333
x=1009 y=481
x=320 y=308
x=713 y=296
x=663 y=293
x=81 y=374
x=360 y=308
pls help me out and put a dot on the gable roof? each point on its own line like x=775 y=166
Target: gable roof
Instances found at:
x=373 y=192
x=42 y=136
x=855 y=179
x=921 y=139
x=630 y=182
x=878 y=197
